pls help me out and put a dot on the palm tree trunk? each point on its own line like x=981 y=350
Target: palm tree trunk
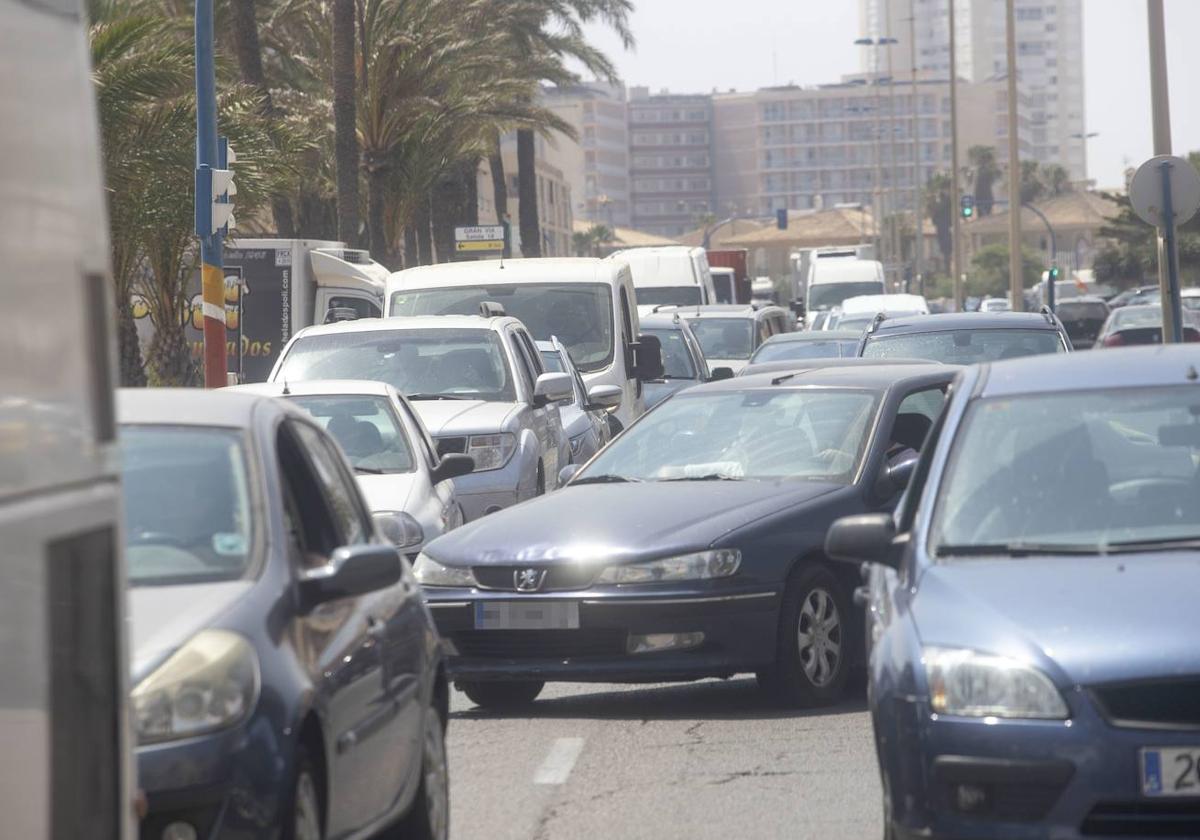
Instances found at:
x=377 y=183
x=531 y=231
x=410 y=246
x=470 y=176
x=499 y=184
x=132 y=369
x=344 y=129
x=424 y=238
x=447 y=209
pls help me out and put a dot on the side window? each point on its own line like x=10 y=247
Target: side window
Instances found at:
x=361 y=306
x=627 y=331
x=764 y=331
x=914 y=418
x=307 y=516
x=928 y=403
x=916 y=487
x=423 y=441
x=531 y=353
x=522 y=358
x=353 y=525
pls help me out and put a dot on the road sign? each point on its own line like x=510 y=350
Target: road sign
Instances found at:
x=1146 y=190
x=479 y=239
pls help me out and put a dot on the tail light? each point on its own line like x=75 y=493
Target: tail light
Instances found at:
x=1114 y=340
x=1190 y=335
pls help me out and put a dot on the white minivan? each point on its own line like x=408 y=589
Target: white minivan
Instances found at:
x=831 y=281
x=587 y=304
x=672 y=275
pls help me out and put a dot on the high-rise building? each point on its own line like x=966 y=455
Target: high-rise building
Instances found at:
x=671 y=161
x=600 y=181
x=1049 y=35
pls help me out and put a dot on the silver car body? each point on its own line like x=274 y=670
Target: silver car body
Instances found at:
x=766 y=322
x=433 y=504
x=541 y=448
x=588 y=430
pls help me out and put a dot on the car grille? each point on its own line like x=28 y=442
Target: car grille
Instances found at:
x=452 y=445
x=1143 y=819
x=558 y=578
x=539 y=644
x=1151 y=703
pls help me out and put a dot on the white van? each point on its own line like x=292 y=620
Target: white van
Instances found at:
x=831 y=281
x=675 y=275
x=858 y=312
x=587 y=304
x=64 y=723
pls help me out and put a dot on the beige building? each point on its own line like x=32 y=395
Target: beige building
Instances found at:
x=1076 y=218
x=597 y=167
x=555 y=203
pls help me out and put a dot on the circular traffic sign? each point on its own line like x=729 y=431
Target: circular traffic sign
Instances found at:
x=1146 y=189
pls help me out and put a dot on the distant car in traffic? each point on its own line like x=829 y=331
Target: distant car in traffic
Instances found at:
x=966 y=338
x=1142 y=324
x=857 y=313
x=585 y=419
x=692 y=545
x=684 y=364
x=669 y=275
x=729 y=334
x=391 y=452
x=287 y=678
x=1027 y=674
x=792 y=346
x=995 y=304
x=478 y=383
x=1082 y=317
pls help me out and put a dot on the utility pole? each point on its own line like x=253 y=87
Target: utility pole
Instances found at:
x=894 y=227
x=918 y=211
x=956 y=222
x=1016 y=283
x=1161 y=110
x=212 y=272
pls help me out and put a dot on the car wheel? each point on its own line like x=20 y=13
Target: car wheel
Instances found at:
x=304 y=822
x=812 y=651
x=428 y=817
x=501 y=695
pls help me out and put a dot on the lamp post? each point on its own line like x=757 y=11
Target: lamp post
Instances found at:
x=212 y=274
x=1161 y=115
x=956 y=227
x=918 y=211
x=1016 y=283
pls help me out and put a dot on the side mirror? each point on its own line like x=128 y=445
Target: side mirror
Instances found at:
x=451 y=466
x=718 y=374
x=866 y=538
x=894 y=478
x=649 y=358
x=567 y=473
x=798 y=308
x=552 y=388
x=352 y=570
x=607 y=397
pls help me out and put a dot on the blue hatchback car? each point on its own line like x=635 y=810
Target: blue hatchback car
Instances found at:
x=1032 y=622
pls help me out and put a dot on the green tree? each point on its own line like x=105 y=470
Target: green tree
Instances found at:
x=989 y=271
x=938 y=207
x=985 y=171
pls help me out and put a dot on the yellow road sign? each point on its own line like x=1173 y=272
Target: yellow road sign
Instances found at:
x=482 y=245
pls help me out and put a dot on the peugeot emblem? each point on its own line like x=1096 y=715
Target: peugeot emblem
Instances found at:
x=528 y=580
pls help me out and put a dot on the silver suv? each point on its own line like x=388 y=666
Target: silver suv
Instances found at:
x=477 y=382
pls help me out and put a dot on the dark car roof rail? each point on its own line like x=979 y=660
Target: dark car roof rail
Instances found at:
x=879 y=318
x=1048 y=314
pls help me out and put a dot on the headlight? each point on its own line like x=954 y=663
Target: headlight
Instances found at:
x=430 y=572
x=491 y=452
x=400 y=528
x=972 y=684
x=210 y=683
x=577 y=444
x=703 y=565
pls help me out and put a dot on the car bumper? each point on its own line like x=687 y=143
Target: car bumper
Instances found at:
x=1026 y=779
x=738 y=627
x=229 y=784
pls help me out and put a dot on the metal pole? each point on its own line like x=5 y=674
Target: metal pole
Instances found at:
x=212 y=274
x=877 y=203
x=955 y=190
x=1171 y=249
x=1016 y=283
x=895 y=244
x=918 y=211
x=1053 y=250
x=1161 y=110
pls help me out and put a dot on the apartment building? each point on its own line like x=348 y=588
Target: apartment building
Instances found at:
x=671 y=161
x=1049 y=35
x=599 y=178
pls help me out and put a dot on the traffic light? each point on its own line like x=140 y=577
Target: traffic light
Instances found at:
x=1054 y=274
x=214 y=190
x=967 y=205
x=781 y=219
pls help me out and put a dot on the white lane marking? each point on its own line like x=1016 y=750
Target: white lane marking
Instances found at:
x=559 y=761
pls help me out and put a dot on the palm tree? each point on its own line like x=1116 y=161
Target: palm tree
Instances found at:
x=986 y=171
x=938 y=206
x=344 y=124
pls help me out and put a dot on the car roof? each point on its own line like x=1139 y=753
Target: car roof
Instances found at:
x=318 y=388
x=870 y=304
x=728 y=310
x=964 y=321
x=869 y=376
x=1130 y=367
x=814 y=335
x=413 y=322
x=222 y=407
x=662 y=320
x=653 y=251
x=1081 y=299
x=784 y=365
x=496 y=272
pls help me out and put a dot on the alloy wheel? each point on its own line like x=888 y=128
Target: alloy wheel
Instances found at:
x=437 y=783
x=307 y=814
x=819 y=637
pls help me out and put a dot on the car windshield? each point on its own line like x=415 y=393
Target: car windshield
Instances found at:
x=816 y=434
x=677 y=361
x=419 y=363
x=668 y=295
x=366 y=428
x=724 y=338
x=829 y=295
x=786 y=351
x=188 y=516
x=1088 y=469
x=580 y=315
x=1082 y=310
x=964 y=347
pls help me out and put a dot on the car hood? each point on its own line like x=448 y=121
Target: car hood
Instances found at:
x=391 y=491
x=162 y=618
x=620 y=522
x=449 y=417
x=656 y=392
x=1089 y=620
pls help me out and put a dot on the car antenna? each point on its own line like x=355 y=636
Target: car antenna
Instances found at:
x=286 y=392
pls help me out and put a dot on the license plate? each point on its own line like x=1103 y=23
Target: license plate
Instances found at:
x=526 y=615
x=1171 y=771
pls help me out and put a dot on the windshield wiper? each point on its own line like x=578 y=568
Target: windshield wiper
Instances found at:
x=1162 y=543
x=1017 y=549
x=708 y=477
x=412 y=397
x=605 y=479
x=369 y=470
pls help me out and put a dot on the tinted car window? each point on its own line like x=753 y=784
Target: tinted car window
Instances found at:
x=677 y=362
x=462 y=363
x=1076 y=310
x=366 y=429
x=668 y=295
x=1075 y=468
x=348 y=514
x=964 y=347
x=724 y=338
x=188 y=516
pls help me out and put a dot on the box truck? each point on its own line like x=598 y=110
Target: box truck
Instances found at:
x=737 y=259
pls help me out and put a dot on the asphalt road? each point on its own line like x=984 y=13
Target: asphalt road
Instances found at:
x=699 y=760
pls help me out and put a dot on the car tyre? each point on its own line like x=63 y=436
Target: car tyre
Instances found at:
x=428 y=817
x=812 y=659
x=501 y=695
x=305 y=816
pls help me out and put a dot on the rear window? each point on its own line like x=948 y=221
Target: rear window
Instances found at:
x=964 y=347
x=1092 y=310
x=668 y=295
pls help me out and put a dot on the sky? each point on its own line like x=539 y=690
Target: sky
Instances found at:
x=808 y=42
